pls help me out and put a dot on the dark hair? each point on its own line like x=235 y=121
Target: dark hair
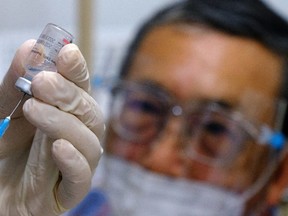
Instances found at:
x=244 y=18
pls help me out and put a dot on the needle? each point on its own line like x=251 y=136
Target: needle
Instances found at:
x=4 y=123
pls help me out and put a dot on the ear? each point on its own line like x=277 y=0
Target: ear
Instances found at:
x=278 y=184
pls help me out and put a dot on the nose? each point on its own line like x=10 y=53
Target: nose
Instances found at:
x=166 y=155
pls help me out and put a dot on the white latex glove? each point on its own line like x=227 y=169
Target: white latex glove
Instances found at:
x=51 y=148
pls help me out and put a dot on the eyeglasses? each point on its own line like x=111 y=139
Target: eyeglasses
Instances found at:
x=212 y=130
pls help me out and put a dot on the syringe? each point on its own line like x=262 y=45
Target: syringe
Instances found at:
x=43 y=56
x=4 y=123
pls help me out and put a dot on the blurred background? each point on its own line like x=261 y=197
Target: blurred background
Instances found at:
x=102 y=29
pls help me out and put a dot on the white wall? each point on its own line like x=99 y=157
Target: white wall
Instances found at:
x=32 y=14
x=25 y=19
x=280 y=6
x=114 y=21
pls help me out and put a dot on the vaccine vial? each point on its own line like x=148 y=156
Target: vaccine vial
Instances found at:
x=43 y=55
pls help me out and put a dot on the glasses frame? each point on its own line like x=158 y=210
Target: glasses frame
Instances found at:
x=261 y=133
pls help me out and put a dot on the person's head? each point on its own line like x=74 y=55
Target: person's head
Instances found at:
x=202 y=92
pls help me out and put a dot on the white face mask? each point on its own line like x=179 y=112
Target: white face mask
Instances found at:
x=133 y=191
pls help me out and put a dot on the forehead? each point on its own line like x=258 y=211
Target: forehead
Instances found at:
x=197 y=62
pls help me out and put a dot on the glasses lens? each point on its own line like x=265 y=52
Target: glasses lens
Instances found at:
x=213 y=136
x=137 y=115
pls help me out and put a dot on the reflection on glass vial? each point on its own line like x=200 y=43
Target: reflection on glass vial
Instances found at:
x=43 y=55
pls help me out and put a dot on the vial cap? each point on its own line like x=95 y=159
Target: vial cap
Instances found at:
x=23 y=85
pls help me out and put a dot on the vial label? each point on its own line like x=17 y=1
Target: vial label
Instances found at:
x=44 y=53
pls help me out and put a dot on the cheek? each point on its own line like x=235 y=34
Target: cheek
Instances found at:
x=234 y=179
x=237 y=174
x=115 y=145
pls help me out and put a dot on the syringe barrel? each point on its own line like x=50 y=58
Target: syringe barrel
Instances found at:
x=4 y=123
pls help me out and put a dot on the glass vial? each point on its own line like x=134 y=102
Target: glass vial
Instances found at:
x=43 y=55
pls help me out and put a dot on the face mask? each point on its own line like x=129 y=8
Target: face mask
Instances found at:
x=133 y=191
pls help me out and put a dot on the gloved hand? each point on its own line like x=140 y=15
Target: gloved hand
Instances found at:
x=51 y=148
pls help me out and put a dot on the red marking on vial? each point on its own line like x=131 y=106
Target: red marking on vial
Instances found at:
x=66 y=41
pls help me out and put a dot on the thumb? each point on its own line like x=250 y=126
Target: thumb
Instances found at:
x=9 y=95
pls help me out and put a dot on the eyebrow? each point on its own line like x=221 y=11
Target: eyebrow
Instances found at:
x=156 y=87
x=153 y=84
x=224 y=104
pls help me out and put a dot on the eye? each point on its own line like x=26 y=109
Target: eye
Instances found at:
x=215 y=128
x=141 y=114
x=143 y=106
x=213 y=135
x=138 y=117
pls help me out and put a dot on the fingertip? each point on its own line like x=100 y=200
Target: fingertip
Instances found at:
x=72 y=65
x=69 y=57
x=68 y=47
x=18 y=62
x=27 y=106
x=8 y=90
x=68 y=158
x=62 y=148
